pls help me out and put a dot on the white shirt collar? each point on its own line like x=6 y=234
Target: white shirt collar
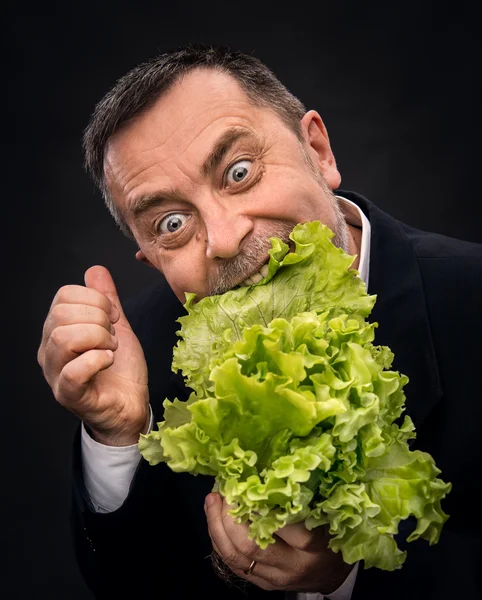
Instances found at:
x=355 y=216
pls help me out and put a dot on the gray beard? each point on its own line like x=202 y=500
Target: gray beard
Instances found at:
x=232 y=271
x=341 y=231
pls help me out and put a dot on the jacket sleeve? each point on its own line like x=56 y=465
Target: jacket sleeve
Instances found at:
x=150 y=536
x=156 y=543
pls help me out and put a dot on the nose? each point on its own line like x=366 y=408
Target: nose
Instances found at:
x=225 y=232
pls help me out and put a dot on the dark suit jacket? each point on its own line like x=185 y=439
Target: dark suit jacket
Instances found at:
x=429 y=310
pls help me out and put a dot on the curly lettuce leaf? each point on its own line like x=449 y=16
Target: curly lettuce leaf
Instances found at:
x=314 y=276
x=296 y=412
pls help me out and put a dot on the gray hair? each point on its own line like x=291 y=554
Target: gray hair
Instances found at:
x=140 y=88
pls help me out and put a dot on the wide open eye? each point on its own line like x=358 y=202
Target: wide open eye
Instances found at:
x=237 y=172
x=172 y=223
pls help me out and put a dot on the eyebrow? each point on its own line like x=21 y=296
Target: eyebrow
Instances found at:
x=148 y=201
x=222 y=146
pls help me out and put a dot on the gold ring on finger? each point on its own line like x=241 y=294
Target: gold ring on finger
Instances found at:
x=249 y=570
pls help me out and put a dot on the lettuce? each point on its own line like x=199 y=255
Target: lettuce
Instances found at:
x=295 y=411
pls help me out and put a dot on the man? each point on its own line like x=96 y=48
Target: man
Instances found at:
x=202 y=156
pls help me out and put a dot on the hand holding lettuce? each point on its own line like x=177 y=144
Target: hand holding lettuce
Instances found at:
x=296 y=412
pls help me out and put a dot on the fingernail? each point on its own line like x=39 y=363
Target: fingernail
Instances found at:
x=112 y=329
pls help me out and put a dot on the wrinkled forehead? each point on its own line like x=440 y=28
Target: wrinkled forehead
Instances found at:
x=183 y=125
x=195 y=102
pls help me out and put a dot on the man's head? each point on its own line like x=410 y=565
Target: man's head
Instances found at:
x=202 y=156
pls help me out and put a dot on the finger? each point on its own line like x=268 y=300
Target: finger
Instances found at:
x=297 y=536
x=266 y=575
x=70 y=295
x=100 y=279
x=77 y=374
x=222 y=570
x=69 y=314
x=68 y=341
x=278 y=555
x=79 y=294
x=224 y=547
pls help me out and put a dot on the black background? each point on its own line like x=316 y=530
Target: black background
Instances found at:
x=398 y=87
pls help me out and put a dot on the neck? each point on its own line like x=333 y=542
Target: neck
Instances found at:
x=354 y=244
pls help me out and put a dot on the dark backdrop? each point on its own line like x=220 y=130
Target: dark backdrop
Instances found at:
x=398 y=85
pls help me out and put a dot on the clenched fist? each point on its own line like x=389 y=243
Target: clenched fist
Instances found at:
x=96 y=370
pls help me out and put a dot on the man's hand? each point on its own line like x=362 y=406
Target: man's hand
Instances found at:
x=96 y=371
x=299 y=561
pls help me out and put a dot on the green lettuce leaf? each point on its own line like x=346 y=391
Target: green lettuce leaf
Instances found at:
x=314 y=277
x=296 y=412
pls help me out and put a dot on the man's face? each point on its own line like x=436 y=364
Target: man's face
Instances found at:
x=204 y=179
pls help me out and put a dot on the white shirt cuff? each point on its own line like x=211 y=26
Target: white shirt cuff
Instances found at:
x=108 y=470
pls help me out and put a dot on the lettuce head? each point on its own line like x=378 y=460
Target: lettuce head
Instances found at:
x=296 y=412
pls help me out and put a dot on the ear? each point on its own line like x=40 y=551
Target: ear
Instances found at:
x=319 y=149
x=141 y=257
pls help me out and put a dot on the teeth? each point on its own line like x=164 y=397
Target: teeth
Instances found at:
x=257 y=277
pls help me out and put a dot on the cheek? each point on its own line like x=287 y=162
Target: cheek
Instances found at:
x=300 y=201
x=184 y=274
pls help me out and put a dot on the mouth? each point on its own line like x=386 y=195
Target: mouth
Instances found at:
x=262 y=271
x=257 y=276
x=240 y=271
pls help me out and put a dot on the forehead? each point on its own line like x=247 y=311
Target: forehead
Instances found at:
x=183 y=123
x=197 y=101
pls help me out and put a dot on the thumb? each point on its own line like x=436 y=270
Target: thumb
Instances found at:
x=100 y=279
